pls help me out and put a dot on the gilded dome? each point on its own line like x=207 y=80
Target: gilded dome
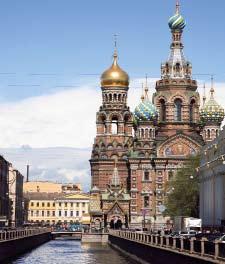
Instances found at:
x=212 y=111
x=115 y=76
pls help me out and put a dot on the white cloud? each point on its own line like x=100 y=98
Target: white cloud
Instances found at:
x=65 y=118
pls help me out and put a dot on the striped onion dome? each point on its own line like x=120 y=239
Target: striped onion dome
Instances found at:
x=212 y=111
x=145 y=111
x=177 y=22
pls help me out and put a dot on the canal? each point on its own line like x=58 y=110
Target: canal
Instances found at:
x=73 y=252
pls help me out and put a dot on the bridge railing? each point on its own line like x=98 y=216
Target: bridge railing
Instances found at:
x=21 y=233
x=203 y=247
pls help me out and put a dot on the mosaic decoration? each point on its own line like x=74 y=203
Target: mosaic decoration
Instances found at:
x=212 y=112
x=145 y=111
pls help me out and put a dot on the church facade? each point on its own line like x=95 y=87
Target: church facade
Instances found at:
x=152 y=142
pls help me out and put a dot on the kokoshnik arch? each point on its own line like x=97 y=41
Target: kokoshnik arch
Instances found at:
x=153 y=142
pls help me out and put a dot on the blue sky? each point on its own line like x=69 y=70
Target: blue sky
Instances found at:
x=68 y=38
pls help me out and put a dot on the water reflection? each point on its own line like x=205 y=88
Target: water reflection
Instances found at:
x=72 y=251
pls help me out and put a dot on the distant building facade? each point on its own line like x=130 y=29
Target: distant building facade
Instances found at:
x=4 y=192
x=212 y=183
x=16 y=197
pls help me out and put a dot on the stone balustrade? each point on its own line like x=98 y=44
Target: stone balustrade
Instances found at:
x=21 y=233
x=201 y=248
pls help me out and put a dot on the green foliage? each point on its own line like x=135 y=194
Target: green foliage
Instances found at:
x=183 y=190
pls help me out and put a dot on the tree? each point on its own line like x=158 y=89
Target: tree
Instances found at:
x=183 y=190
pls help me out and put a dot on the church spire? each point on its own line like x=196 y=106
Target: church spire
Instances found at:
x=177 y=66
x=146 y=88
x=204 y=95
x=212 y=88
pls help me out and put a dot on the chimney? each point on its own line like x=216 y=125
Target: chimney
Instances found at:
x=28 y=170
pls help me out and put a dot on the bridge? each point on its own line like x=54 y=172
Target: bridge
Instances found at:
x=66 y=234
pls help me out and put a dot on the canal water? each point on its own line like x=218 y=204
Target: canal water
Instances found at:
x=73 y=252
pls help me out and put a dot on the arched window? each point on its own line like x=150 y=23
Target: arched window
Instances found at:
x=162 y=110
x=114 y=125
x=208 y=133
x=115 y=97
x=142 y=133
x=110 y=97
x=178 y=109
x=119 y=97
x=192 y=108
x=217 y=132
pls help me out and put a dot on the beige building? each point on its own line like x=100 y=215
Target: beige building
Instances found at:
x=51 y=187
x=15 y=196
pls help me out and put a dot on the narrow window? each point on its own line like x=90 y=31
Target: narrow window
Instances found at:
x=192 y=107
x=162 y=110
x=146 y=201
x=114 y=125
x=178 y=109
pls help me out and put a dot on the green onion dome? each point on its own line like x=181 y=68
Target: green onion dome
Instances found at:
x=212 y=112
x=177 y=22
x=145 y=111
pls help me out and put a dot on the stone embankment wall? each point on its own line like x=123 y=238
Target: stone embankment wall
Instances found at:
x=94 y=238
x=152 y=254
x=14 y=247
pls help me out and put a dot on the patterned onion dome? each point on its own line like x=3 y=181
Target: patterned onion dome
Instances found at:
x=145 y=111
x=115 y=76
x=212 y=112
x=177 y=22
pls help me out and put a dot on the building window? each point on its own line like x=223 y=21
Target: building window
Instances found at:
x=65 y=204
x=42 y=213
x=53 y=213
x=32 y=213
x=83 y=212
x=37 y=204
x=146 y=175
x=65 y=213
x=77 y=213
x=114 y=126
x=60 y=213
x=178 y=110
x=83 y=204
x=43 y=204
x=53 y=204
x=48 y=213
x=37 y=213
x=192 y=107
x=162 y=110
x=71 y=204
x=32 y=204
x=60 y=204
x=208 y=133
x=71 y=213
x=48 y=204
x=78 y=204
x=146 y=201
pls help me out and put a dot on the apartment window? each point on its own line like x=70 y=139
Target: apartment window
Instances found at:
x=48 y=204
x=83 y=204
x=53 y=213
x=146 y=201
x=65 y=204
x=71 y=213
x=42 y=213
x=32 y=204
x=32 y=213
x=53 y=204
x=77 y=213
x=65 y=213
x=37 y=213
x=48 y=213
x=60 y=213
x=37 y=204
x=71 y=204
x=43 y=204
x=83 y=212
x=146 y=176
x=78 y=204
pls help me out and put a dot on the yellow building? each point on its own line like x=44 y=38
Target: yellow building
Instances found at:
x=51 y=187
x=53 y=208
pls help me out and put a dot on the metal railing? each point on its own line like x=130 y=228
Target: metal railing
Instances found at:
x=21 y=233
x=201 y=248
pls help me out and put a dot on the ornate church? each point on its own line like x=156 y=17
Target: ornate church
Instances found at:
x=152 y=142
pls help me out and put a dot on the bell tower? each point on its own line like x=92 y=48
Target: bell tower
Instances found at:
x=114 y=127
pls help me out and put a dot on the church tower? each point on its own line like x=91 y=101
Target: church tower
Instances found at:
x=114 y=127
x=212 y=115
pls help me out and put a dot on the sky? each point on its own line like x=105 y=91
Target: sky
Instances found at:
x=52 y=53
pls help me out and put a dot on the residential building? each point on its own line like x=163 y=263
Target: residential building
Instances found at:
x=16 y=197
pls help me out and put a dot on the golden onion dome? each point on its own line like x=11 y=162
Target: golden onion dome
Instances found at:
x=115 y=76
